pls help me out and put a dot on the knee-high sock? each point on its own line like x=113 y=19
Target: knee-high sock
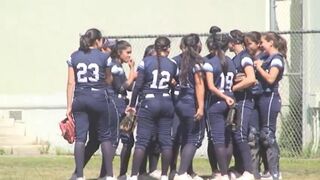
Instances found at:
x=108 y=152
x=166 y=155
x=79 y=157
x=175 y=154
x=153 y=161
x=212 y=157
x=229 y=153
x=124 y=158
x=187 y=155
x=138 y=157
x=221 y=154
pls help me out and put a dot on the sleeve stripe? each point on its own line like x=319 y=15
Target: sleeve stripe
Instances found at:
x=246 y=61
x=276 y=62
x=141 y=65
x=207 y=67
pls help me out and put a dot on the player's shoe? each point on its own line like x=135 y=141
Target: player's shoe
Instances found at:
x=184 y=176
x=133 y=177
x=215 y=176
x=164 y=177
x=172 y=174
x=155 y=174
x=196 y=177
x=73 y=176
x=246 y=176
x=123 y=177
x=267 y=176
x=224 y=177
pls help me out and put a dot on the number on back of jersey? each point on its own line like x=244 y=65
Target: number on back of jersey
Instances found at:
x=87 y=73
x=163 y=80
x=226 y=81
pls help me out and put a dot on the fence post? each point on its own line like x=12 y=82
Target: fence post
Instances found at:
x=273 y=19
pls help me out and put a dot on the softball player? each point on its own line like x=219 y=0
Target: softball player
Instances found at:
x=156 y=110
x=190 y=101
x=120 y=55
x=153 y=150
x=93 y=143
x=87 y=98
x=253 y=45
x=176 y=126
x=219 y=75
x=244 y=98
x=269 y=104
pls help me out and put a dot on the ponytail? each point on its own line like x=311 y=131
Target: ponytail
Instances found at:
x=190 y=55
x=283 y=47
x=217 y=43
x=278 y=42
x=158 y=67
x=88 y=39
x=84 y=43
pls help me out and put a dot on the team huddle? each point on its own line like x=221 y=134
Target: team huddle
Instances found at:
x=175 y=100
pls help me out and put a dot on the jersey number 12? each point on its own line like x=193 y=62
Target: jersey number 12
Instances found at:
x=164 y=80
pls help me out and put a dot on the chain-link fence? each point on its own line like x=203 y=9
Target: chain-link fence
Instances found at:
x=298 y=130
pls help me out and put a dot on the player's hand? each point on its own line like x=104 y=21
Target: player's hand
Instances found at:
x=69 y=113
x=131 y=110
x=199 y=114
x=131 y=63
x=229 y=101
x=173 y=82
x=239 y=77
x=258 y=63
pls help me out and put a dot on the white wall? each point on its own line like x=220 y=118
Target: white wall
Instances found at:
x=38 y=36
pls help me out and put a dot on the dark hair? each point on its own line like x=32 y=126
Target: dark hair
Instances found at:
x=161 y=44
x=182 y=45
x=217 y=44
x=190 y=55
x=278 y=42
x=108 y=43
x=254 y=36
x=236 y=36
x=149 y=50
x=119 y=46
x=88 y=39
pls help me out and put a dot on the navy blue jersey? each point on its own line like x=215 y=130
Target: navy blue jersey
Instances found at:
x=177 y=59
x=150 y=81
x=262 y=56
x=276 y=60
x=89 y=68
x=119 y=76
x=208 y=56
x=190 y=81
x=257 y=88
x=241 y=61
x=155 y=81
x=223 y=81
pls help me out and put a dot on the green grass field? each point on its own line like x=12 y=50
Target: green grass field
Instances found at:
x=61 y=167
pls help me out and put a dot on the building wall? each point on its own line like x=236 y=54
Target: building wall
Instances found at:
x=38 y=36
